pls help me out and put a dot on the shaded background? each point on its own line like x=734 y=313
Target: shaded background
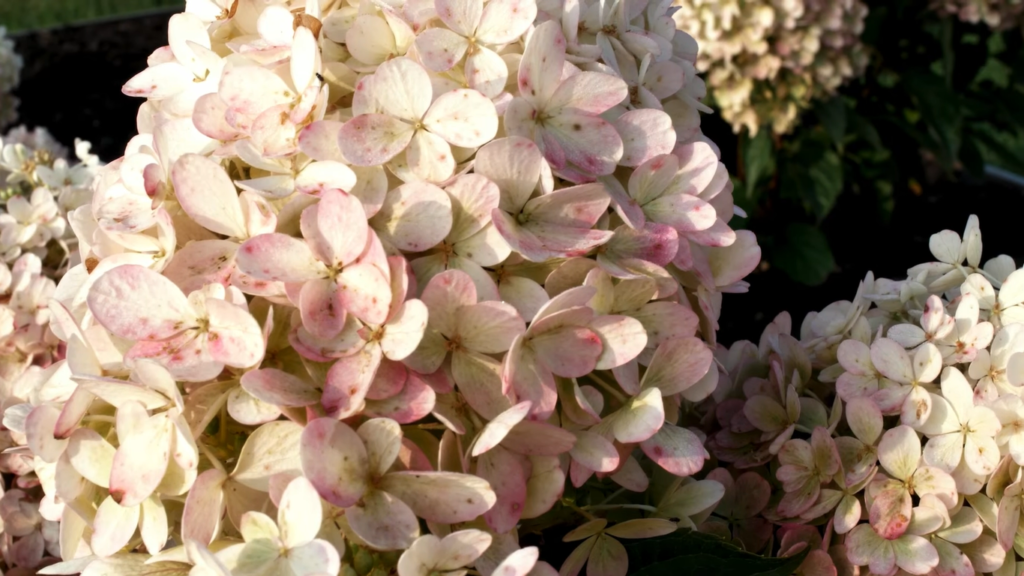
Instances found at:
x=71 y=84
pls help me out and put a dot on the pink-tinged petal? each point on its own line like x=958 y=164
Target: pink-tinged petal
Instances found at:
x=504 y=21
x=981 y=454
x=348 y=381
x=623 y=338
x=202 y=262
x=444 y=295
x=655 y=243
x=645 y=134
x=641 y=418
x=319 y=141
x=587 y=142
x=404 y=330
x=159 y=82
x=383 y=521
x=666 y=321
x=390 y=380
x=113 y=526
x=677 y=450
x=952 y=562
x=891 y=360
x=865 y=548
x=540 y=69
x=415 y=217
x=520 y=563
x=915 y=555
x=416 y=400
x=473 y=197
x=364 y=291
x=488 y=327
x=533 y=438
x=899 y=452
x=204 y=507
x=677 y=365
x=440 y=49
x=249 y=90
x=576 y=207
x=340 y=232
x=142 y=457
x=503 y=471
x=403 y=89
x=945 y=451
x=299 y=513
x=462 y=16
x=890 y=510
x=139 y=304
x=318 y=305
x=279 y=388
x=463 y=118
x=209 y=117
x=39 y=430
x=279 y=257
x=486 y=72
x=207 y=195
x=478 y=378
x=496 y=430
x=443 y=497
x=515 y=165
x=590 y=93
x=985 y=553
x=608 y=558
x=571 y=352
x=428 y=159
x=595 y=452
x=335 y=461
x=684 y=212
x=234 y=337
x=273 y=134
x=373 y=139
x=732 y=263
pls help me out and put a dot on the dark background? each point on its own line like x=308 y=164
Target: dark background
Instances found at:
x=71 y=84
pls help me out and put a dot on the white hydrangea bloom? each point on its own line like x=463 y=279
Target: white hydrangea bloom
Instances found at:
x=766 y=60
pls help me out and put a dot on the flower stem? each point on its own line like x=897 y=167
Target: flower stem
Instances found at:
x=615 y=506
x=608 y=388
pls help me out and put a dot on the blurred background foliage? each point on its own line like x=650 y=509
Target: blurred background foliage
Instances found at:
x=939 y=104
x=30 y=14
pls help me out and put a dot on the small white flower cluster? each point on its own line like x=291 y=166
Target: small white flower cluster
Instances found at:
x=894 y=426
x=767 y=60
x=997 y=14
x=10 y=76
x=38 y=187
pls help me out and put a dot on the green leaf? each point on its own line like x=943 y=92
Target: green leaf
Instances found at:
x=940 y=110
x=804 y=255
x=758 y=159
x=688 y=552
x=832 y=114
x=813 y=176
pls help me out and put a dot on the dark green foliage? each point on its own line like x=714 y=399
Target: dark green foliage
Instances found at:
x=687 y=552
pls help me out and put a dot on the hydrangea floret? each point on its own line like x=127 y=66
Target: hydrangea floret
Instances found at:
x=376 y=287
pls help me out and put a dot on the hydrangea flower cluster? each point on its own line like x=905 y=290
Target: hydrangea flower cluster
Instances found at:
x=10 y=75
x=997 y=14
x=373 y=285
x=767 y=60
x=38 y=188
x=887 y=435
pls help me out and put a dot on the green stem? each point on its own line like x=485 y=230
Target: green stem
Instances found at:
x=617 y=506
x=608 y=388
